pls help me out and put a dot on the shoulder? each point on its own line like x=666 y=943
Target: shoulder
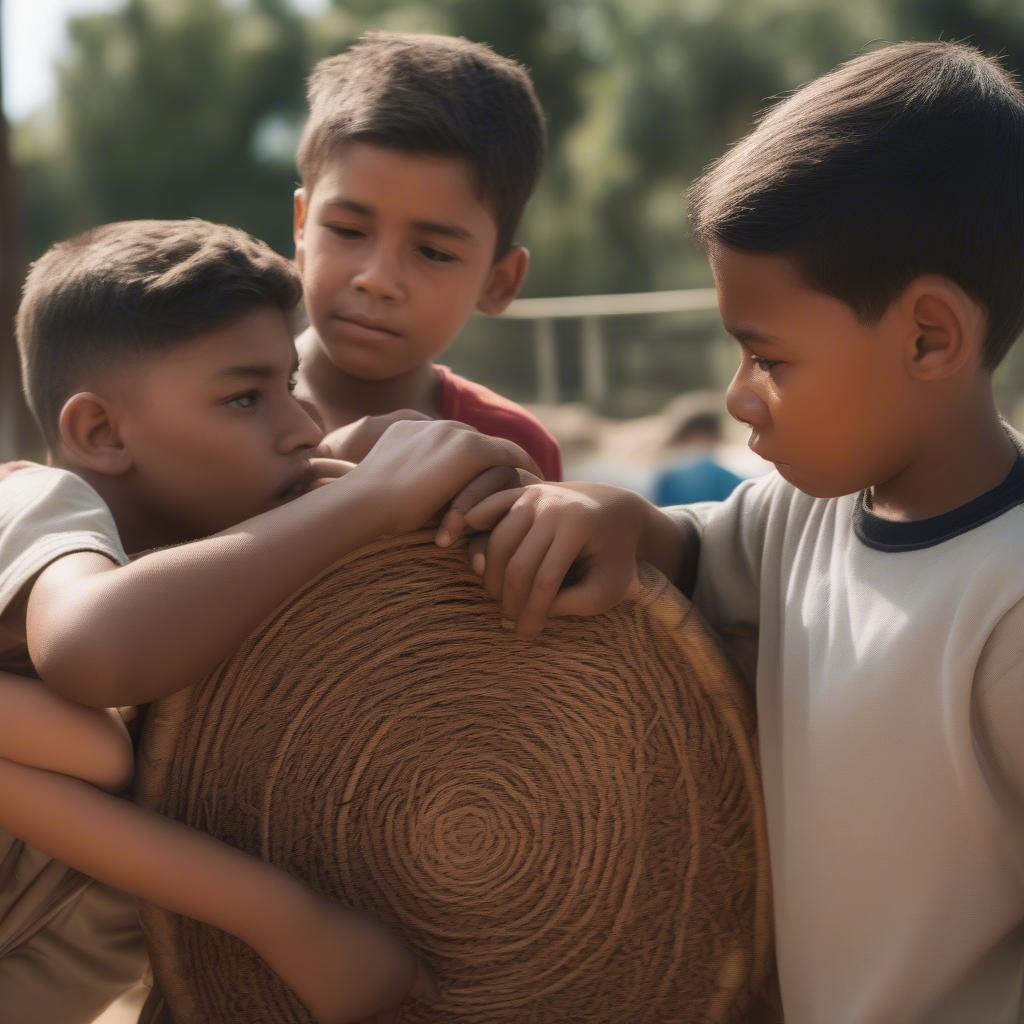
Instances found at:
x=53 y=492
x=760 y=502
x=493 y=414
x=998 y=701
x=46 y=513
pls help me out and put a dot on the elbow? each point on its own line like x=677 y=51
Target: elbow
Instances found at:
x=114 y=765
x=87 y=673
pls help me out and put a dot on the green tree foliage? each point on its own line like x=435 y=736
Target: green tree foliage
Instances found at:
x=192 y=107
x=171 y=108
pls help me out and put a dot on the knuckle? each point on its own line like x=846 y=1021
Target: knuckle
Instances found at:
x=547 y=581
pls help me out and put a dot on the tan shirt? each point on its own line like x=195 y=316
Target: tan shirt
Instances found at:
x=890 y=696
x=68 y=945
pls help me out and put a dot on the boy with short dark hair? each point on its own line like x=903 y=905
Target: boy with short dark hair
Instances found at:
x=418 y=157
x=866 y=244
x=159 y=360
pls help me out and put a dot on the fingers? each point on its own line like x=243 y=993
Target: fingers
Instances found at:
x=504 y=541
x=522 y=570
x=546 y=582
x=489 y=512
x=328 y=470
x=331 y=469
x=477 y=551
x=354 y=440
x=491 y=481
x=602 y=587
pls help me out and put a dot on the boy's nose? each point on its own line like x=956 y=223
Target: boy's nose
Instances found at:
x=380 y=276
x=743 y=403
x=302 y=430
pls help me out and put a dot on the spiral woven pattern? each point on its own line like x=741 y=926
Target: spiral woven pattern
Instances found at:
x=568 y=829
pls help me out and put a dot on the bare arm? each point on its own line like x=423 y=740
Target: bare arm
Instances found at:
x=108 y=636
x=41 y=729
x=341 y=964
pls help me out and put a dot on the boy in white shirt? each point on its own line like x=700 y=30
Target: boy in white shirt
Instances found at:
x=866 y=241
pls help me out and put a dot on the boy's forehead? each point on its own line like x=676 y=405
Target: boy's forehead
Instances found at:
x=385 y=179
x=755 y=279
x=257 y=344
x=762 y=296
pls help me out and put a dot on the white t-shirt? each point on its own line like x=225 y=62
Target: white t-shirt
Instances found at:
x=68 y=946
x=890 y=697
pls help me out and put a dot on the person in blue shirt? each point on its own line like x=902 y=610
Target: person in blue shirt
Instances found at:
x=695 y=474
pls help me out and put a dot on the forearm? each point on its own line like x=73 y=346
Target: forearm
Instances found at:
x=160 y=624
x=41 y=729
x=142 y=853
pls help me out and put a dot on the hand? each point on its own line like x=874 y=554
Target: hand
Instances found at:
x=491 y=481
x=352 y=441
x=424 y=988
x=539 y=533
x=328 y=470
x=416 y=468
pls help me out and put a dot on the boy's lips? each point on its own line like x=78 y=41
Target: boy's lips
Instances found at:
x=298 y=484
x=754 y=444
x=365 y=326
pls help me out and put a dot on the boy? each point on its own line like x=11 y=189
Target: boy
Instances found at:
x=158 y=361
x=418 y=157
x=866 y=244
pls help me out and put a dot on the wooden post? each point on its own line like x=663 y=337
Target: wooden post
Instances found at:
x=547 y=361
x=595 y=376
x=18 y=438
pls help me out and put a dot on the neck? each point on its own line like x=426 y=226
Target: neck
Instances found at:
x=966 y=455
x=139 y=527
x=340 y=398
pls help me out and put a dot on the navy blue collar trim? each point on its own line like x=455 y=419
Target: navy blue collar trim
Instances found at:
x=886 y=535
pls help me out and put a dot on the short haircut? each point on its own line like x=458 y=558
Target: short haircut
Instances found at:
x=440 y=95
x=125 y=290
x=904 y=161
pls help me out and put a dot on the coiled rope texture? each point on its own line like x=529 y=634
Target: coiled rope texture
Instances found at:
x=569 y=829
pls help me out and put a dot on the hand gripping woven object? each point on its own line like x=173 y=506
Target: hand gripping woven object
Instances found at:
x=568 y=829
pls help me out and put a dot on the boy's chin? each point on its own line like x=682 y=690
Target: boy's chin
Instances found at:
x=811 y=485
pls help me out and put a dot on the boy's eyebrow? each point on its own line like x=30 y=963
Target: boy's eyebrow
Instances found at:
x=261 y=370
x=745 y=334
x=432 y=227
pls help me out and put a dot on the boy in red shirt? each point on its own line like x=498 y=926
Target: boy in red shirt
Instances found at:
x=418 y=158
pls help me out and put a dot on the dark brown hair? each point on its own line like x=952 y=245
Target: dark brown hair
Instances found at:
x=432 y=94
x=132 y=288
x=904 y=161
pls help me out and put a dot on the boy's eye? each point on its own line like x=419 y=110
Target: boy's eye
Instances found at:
x=764 y=364
x=344 y=232
x=246 y=401
x=436 y=255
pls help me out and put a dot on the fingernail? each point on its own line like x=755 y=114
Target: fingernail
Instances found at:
x=443 y=539
x=479 y=563
x=507 y=624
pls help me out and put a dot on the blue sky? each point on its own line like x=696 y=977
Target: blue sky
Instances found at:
x=34 y=37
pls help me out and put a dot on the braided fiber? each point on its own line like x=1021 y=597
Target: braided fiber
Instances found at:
x=568 y=829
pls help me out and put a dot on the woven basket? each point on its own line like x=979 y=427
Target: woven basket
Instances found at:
x=568 y=829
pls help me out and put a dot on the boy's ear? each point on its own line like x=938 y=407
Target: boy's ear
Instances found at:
x=504 y=281
x=299 y=226
x=90 y=435
x=947 y=328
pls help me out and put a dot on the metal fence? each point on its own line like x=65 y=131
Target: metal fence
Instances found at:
x=591 y=311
